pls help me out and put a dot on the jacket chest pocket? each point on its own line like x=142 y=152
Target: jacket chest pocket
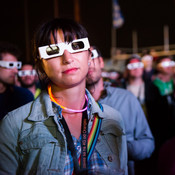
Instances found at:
x=36 y=142
x=112 y=136
x=39 y=147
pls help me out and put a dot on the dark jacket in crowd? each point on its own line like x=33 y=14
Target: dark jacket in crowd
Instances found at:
x=13 y=98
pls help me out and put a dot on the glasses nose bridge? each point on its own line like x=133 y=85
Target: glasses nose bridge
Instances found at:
x=66 y=47
x=67 y=56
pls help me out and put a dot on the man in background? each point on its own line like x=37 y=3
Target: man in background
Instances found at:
x=11 y=96
x=140 y=142
x=28 y=79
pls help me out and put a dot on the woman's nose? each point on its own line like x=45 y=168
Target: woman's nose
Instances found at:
x=67 y=57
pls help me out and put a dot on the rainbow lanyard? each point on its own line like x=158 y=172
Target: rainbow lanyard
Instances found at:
x=93 y=136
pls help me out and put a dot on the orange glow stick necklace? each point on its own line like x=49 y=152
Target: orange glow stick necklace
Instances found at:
x=63 y=107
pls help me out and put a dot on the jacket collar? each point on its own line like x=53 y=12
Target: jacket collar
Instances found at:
x=93 y=105
x=41 y=108
x=108 y=88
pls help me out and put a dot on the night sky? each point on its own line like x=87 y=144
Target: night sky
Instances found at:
x=145 y=16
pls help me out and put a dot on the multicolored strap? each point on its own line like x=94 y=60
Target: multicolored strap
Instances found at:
x=93 y=135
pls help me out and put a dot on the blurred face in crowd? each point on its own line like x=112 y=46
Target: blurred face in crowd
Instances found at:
x=27 y=80
x=166 y=66
x=147 y=60
x=8 y=75
x=95 y=71
x=135 y=68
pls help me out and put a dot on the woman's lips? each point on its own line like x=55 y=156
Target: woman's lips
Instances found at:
x=72 y=70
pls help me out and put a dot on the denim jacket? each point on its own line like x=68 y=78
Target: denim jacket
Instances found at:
x=32 y=141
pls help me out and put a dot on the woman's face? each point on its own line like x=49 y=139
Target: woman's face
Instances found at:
x=69 y=69
x=136 y=72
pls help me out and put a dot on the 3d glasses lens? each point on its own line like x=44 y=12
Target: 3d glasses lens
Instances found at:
x=21 y=73
x=19 y=65
x=51 y=50
x=94 y=54
x=11 y=65
x=77 y=45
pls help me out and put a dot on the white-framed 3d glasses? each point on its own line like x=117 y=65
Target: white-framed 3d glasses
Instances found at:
x=137 y=65
x=23 y=73
x=55 y=50
x=167 y=64
x=11 y=64
x=109 y=74
x=94 y=54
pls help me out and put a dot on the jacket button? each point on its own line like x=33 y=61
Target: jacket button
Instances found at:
x=20 y=142
x=110 y=158
x=101 y=133
x=98 y=140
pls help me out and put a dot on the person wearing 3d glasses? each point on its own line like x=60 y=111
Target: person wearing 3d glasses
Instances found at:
x=11 y=96
x=162 y=102
x=140 y=141
x=133 y=79
x=149 y=69
x=64 y=131
x=28 y=78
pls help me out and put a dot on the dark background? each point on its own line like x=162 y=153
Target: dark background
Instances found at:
x=19 y=20
x=148 y=18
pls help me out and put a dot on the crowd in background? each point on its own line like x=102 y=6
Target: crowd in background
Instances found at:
x=152 y=81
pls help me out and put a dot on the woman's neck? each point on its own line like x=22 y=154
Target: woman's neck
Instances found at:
x=72 y=98
x=135 y=81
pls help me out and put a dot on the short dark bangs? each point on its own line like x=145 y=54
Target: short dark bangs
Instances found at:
x=70 y=28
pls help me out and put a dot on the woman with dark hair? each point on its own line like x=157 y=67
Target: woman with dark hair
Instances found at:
x=64 y=131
